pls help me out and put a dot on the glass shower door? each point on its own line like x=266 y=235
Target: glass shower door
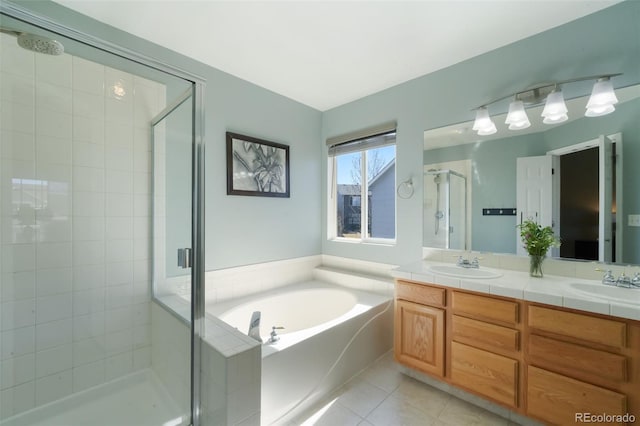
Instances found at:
x=172 y=152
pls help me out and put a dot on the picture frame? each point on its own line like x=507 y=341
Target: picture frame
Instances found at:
x=256 y=167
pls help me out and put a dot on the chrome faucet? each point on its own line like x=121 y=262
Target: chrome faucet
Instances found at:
x=465 y=263
x=622 y=281
x=274 y=334
x=254 y=327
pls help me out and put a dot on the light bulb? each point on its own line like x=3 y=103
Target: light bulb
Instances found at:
x=602 y=99
x=517 y=117
x=483 y=124
x=555 y=110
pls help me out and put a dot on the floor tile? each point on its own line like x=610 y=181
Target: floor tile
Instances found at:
x=396 y=410
x=360 y=396
x=332 y=414
x=458 y=412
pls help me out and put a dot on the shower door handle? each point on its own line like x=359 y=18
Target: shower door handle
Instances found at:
x=184 y=258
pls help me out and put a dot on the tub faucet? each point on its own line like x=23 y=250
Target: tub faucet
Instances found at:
x=274 y=334
x=254 y=326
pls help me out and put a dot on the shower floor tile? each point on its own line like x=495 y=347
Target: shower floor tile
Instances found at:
x=135 y=400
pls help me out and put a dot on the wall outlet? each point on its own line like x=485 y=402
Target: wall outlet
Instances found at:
x=634 y=220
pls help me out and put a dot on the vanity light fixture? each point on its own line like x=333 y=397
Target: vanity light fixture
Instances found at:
x=483 y=124
x=555 y=110
x=602 y=99
x=601 y=102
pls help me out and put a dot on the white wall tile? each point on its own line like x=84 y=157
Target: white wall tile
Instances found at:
x=119 y=250
x=89 y=350
x=119 y=273
x=88 y=104
x=119 y=342
x=17 y=314
x=54 y=69
x=16 y=117
x=53 y=255
x=88 y=154
x=53 y=281
x=119 y=296
x=17 y=342
x=119 y=319
x=17 y=286
x=52 y=150
x=89 y=326
x=23 y=397
x=54 y=230
x=89 y=301
x=88 y=129
x=142 y=358
x=53 y=97
x=54 y=360
x=88 y=76
x=17 y=146
x=17 y=60
x=53 y=308
x=119 y=228
x=16 y=371
x=53 y=123
x=53 y=387
x=18 y=257
x=54 y=333
x=88 y=253
x=88 y=179
x=88 y=228
x=88 y=276
x=17 y=88
x=119 y=365
x=119 y=205
x=119 y=181
x=88 y=375
x=88 y=204
x=119 y=157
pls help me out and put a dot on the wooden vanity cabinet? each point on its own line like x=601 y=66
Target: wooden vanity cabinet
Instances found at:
x=542 y=361
x=419 y=327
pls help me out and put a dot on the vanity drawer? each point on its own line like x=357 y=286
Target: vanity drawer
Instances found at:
x=576 y=360
x=484 y=335
x=584 y=327
x=423 y=294
x=557 y=399
x=486 y=308
x=486 y=373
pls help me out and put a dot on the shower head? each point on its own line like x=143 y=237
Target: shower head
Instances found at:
x=36 y=43
x=40 y=44
x=437 y=179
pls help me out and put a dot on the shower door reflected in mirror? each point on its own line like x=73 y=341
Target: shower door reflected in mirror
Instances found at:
x=445 y=207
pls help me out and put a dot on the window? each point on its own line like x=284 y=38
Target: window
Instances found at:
x=362 y=191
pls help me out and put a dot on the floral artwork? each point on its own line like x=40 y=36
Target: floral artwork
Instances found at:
x=256 y=167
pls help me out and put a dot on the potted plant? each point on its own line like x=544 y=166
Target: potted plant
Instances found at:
x=537 y=240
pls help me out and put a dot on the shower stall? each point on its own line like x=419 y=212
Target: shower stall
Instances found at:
x=100 y=185
x=445 y=209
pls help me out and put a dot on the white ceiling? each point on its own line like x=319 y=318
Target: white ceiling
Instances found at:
x=327 y=53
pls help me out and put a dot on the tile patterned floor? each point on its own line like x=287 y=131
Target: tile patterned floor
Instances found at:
x=383 y=396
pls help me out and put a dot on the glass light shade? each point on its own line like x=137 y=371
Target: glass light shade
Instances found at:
x=555 y=110
x=488 y=130
x=517 y=117
x=483 y=124
x=602 y=99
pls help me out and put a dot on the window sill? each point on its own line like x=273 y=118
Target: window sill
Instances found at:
x=370 y=241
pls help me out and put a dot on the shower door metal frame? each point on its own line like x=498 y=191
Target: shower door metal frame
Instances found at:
x=447 y=216
x=27 y=16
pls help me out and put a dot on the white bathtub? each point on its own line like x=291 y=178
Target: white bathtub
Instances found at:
x=319 y=321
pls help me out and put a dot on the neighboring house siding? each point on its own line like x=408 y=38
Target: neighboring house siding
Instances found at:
x=383 y=212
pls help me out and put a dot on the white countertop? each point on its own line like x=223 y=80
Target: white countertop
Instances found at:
x=551 y=289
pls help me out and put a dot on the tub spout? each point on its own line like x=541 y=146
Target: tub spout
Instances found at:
x=274 y=334
x=254 y=326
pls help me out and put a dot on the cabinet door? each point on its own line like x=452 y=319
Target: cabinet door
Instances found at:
x=485 y=373
x=419 y=337
x=561 y=400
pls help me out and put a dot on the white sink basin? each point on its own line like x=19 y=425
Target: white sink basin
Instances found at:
x=460 y=272
x=602 y=291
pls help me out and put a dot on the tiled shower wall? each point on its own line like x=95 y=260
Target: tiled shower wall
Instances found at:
x=75 y=225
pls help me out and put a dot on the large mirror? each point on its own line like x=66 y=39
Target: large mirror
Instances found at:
x=581 y=176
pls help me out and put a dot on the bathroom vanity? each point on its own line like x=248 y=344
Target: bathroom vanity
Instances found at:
x=494 y=338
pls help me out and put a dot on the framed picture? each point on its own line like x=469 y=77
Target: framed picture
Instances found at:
x=256 y=167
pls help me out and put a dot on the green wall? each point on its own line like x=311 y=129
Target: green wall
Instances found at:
x=605 y=42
